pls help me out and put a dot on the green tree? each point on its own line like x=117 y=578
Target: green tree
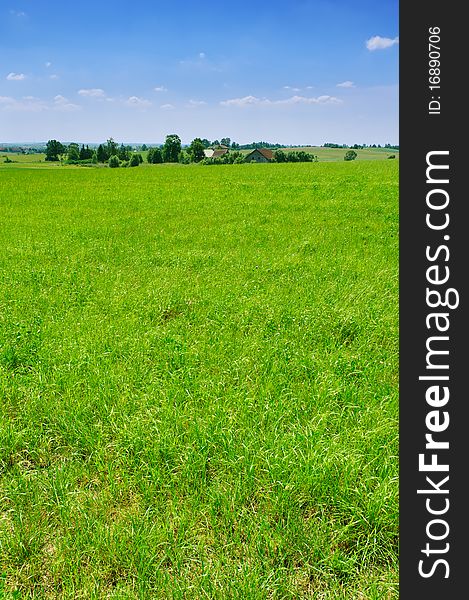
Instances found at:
x=54 y=150
x=226 y=141
x=123 y=153
x=304 y=156
x=350 y=155
x=73 y=152
x=144 y=148
x=172 y=148
x=114 y=161
x=280 y=156
x=86 y=153
x=135 y=160
x=184 y=157
x=196 y=150
x=111 y=148
x=156 y=156
x=101 y=154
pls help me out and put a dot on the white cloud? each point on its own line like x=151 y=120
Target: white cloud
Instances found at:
x=62 y=104
x=160 y=88
x=167 y=106
x=305 y=100
x=18 y=13
x=136 y=102
x=26 y=104
x=92 y=93
x=196 y=103
x=245 y=101
x=346 y=84
x=293 y=89
x=253 y=101
x=48 y=64
x=16 y=76
x=202 y=55
x=33 y=104
x=380 y=43
x=53 y=76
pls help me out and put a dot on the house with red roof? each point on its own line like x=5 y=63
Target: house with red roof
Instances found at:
x=260 y=155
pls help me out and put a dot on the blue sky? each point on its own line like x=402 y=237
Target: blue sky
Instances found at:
x=289 y=71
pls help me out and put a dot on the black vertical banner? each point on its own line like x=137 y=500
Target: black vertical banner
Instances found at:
x=434 y=235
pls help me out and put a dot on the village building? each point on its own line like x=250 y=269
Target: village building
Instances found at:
x=215 y=152
x=260 y=155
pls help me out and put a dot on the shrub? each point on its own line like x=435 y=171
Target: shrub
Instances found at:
x=87 y=162
x=134 y=160
x=155 y=156
x=292 y=156
x=114 y=162
x=184 y=157
x=350 y=155
x=234 y=156
x=229 y=158
x=304 y=156
x=280 y=156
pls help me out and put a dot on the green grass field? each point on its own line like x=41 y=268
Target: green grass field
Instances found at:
x=199 y=382
x=337 y=154
x=21 y=159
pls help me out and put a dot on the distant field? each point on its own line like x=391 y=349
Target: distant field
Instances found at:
x=337 y=154
x=19 y=158
x=199 y=382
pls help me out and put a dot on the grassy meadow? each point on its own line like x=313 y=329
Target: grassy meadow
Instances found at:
x=337 y=154
x=199 y=381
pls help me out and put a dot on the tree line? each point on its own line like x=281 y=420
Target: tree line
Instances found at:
x=74 y=154
x=361 y=146
x=172 y=151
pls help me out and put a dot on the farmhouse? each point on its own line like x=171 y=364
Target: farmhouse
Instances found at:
x=215 y=152
x=260 y=155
